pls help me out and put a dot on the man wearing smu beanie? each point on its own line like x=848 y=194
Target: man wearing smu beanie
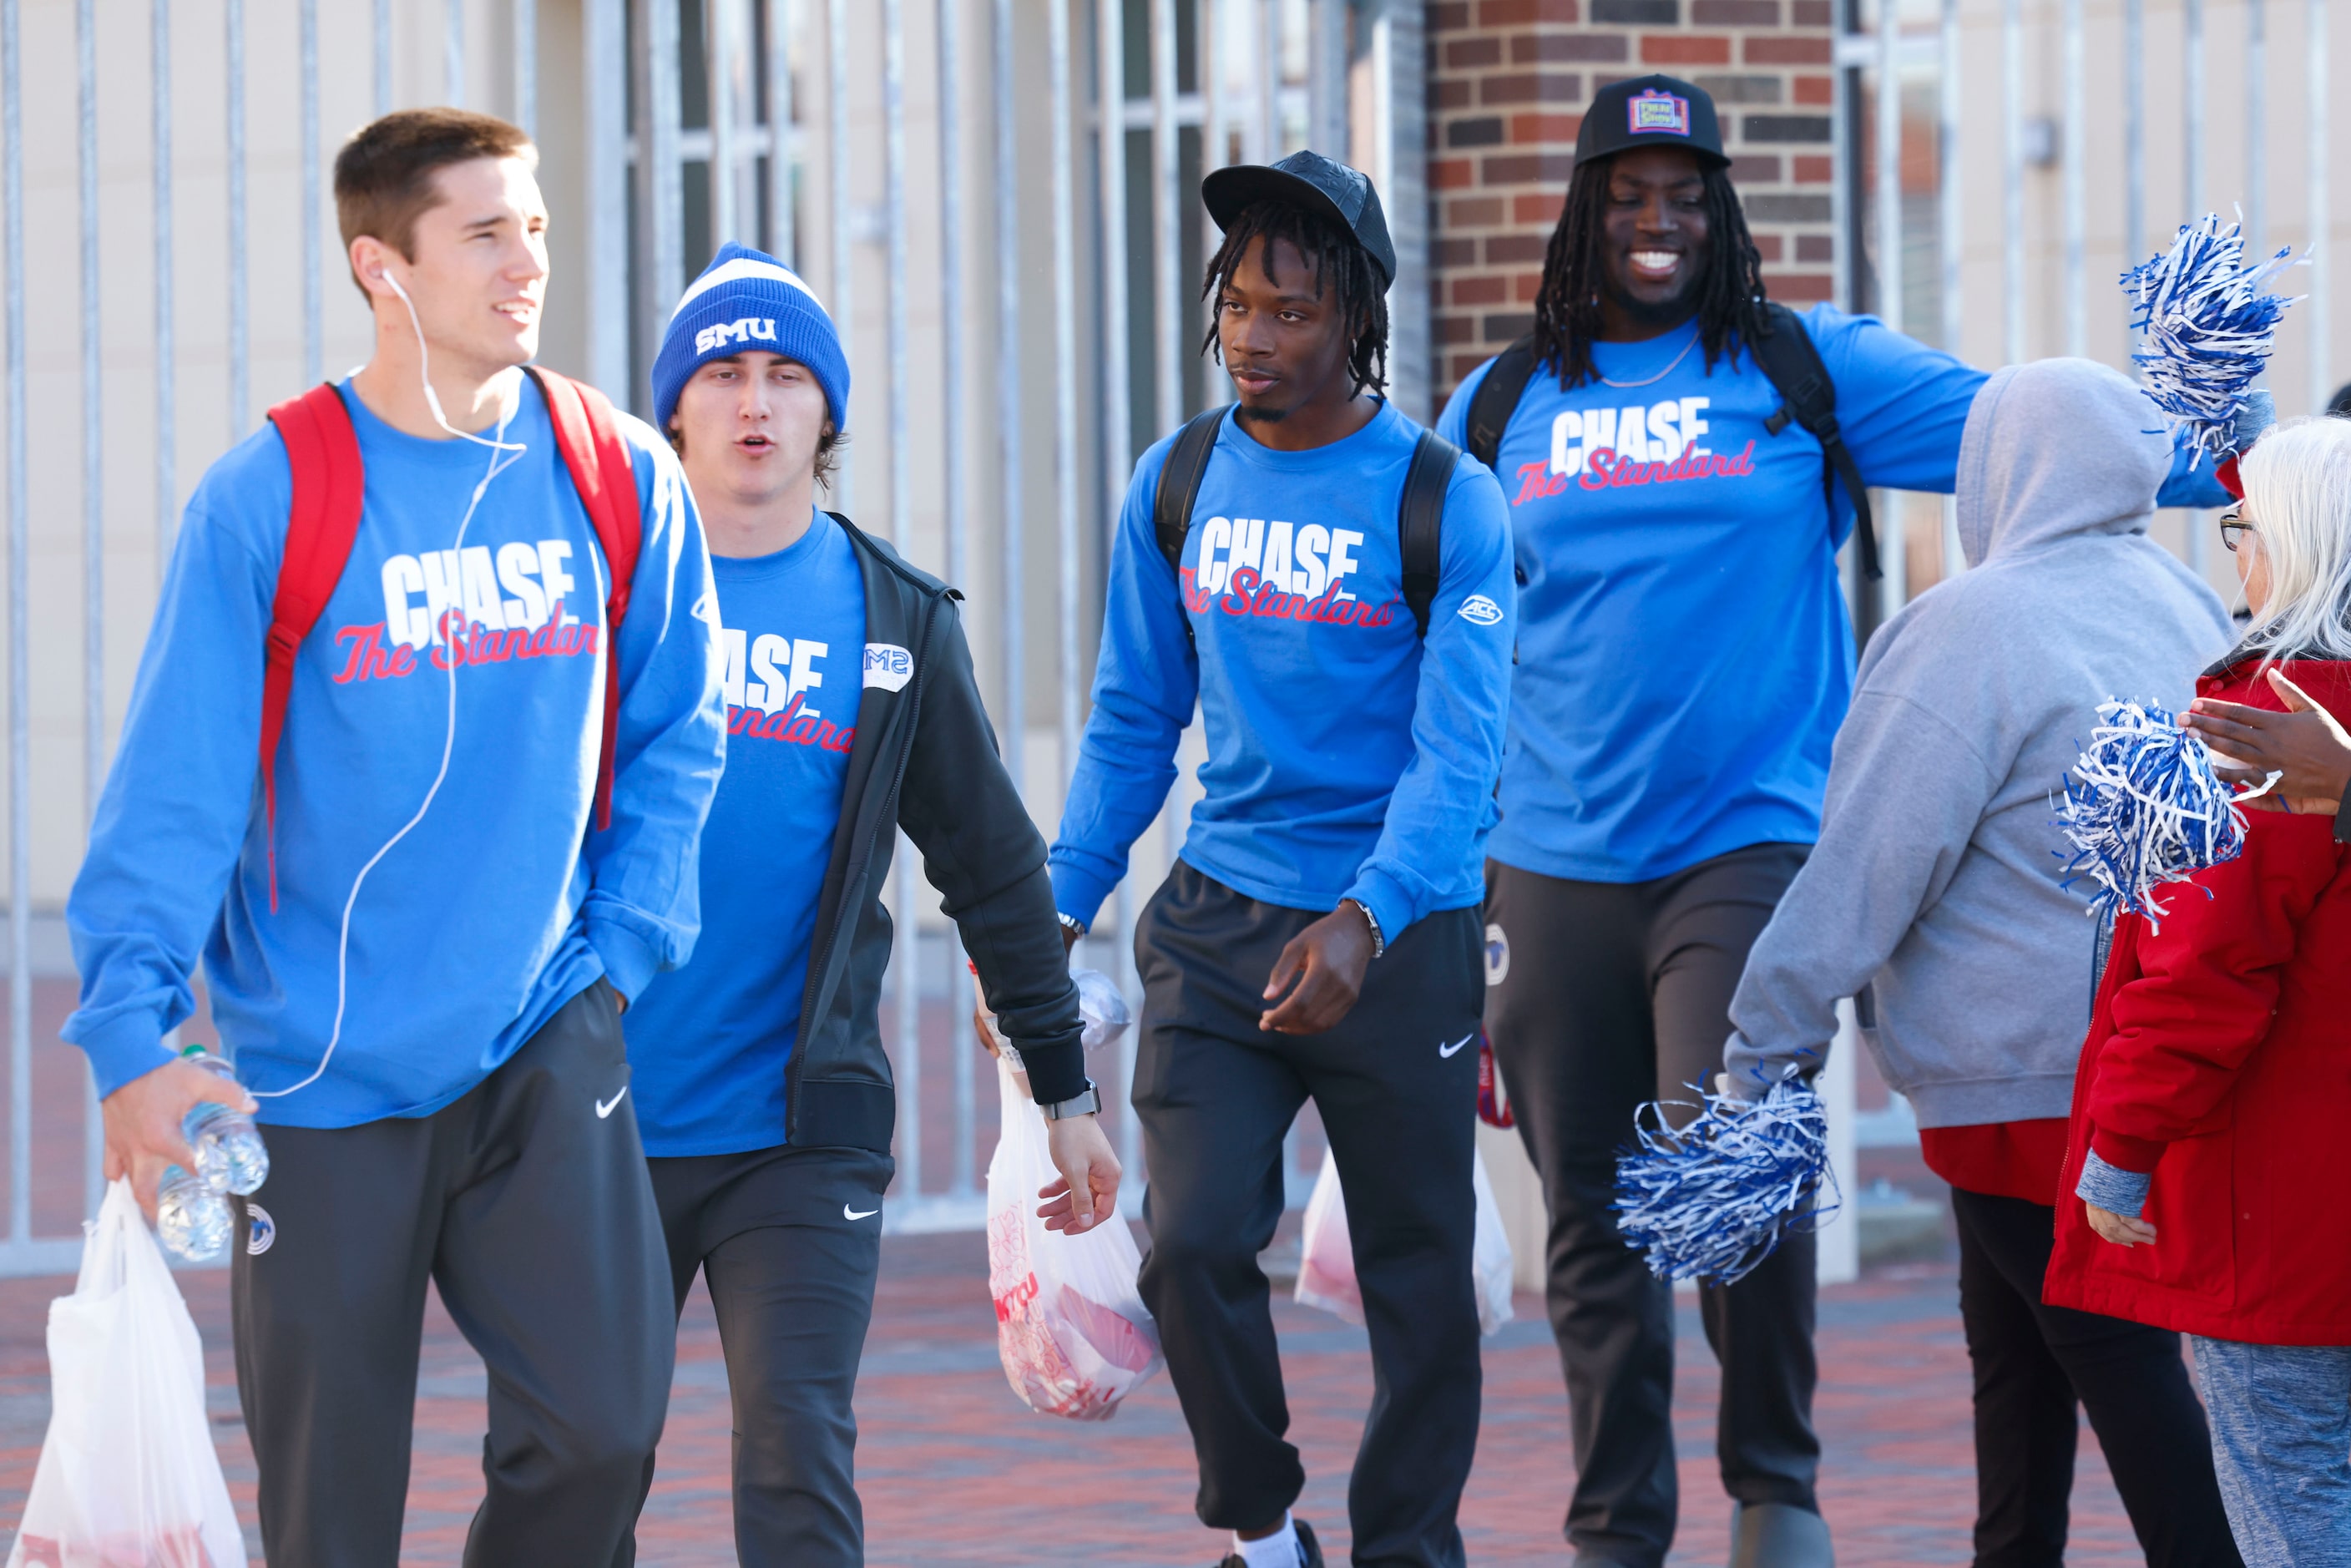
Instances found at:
x=762 y=1090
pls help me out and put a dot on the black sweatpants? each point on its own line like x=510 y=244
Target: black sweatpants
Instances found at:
x=2032 y=1363
x=1397 y=1084
x=526 y=1202
x=790 y=1241
x=1603 y=996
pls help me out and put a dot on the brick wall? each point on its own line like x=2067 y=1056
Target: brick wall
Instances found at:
x=1507 y=81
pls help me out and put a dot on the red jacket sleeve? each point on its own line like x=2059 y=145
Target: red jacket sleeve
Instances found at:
x=2207 y=988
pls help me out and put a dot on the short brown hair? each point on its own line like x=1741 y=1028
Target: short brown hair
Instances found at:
x=383 y=175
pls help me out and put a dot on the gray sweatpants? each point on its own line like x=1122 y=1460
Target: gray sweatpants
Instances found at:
x=2281 y=1419
x=532 y=1213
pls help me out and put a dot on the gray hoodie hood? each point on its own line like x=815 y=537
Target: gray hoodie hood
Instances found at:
x=1934 y=890
x=2056 y=449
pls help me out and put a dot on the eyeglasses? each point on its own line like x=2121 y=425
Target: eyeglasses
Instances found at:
x=2233 y=527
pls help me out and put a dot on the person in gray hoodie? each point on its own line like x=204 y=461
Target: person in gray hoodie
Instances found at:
x=1937 y=899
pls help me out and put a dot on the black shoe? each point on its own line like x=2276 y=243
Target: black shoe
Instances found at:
x=1310 y=1551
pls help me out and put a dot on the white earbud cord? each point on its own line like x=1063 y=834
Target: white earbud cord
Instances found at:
x=499 y=462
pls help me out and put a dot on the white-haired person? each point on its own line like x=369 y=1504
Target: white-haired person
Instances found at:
x=2203 y=1153
x=1938 y=896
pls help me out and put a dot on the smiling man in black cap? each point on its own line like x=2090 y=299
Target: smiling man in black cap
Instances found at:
x=1683 y=460
x=1332 y=584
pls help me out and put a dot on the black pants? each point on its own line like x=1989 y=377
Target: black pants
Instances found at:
x=531 y=1211
x=1397 y=1084
x=1603 y=996
x=790 y=1241
x=2032 y=1363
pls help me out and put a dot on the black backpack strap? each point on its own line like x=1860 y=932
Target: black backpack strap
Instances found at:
x=1179 y=484
x=1420 y=521
x=1496 y=399
x=1808 y=398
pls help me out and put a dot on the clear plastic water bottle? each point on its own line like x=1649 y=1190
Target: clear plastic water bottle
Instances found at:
x=191 y=1217
x=230 y=1155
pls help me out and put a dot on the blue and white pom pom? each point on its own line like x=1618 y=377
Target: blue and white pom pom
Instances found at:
x=2210 y=323
x=2143 y=807
x=1713 y=1200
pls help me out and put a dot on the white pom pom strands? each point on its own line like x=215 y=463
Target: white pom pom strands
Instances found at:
x=1713 y=1200
x=2211 y=322
x=2142 y=808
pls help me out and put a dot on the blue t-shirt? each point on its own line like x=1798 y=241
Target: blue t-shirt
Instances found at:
x=1684 y=653
x=1347 y=758
x=482 y=915
x=707 y=1045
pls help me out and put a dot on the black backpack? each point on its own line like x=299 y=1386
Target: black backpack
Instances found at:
x=1420 y=511
x=1785 y=353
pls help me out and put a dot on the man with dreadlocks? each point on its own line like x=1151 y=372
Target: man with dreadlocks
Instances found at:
x=1684 y=661
x=1332 y=584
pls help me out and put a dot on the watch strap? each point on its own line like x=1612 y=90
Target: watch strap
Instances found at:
x=1085 y=1105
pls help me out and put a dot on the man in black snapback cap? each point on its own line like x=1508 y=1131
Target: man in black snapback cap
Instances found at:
x=1331 y=585
x=1683 y=459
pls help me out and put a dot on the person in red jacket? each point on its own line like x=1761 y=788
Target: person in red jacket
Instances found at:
x=2202 y=1141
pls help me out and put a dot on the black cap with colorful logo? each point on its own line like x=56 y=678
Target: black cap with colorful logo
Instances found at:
x=1651 y=111
x=1321 y=185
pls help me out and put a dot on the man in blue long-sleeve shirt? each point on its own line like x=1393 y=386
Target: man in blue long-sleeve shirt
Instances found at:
x=1319 y=936
x=419 y=936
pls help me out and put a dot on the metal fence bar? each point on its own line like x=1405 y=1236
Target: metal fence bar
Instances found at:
x=1008 y=434
x=1951 y=216
x=2191 y=147
x=1216 y=150
x=240 y=377
x=453 y=52
x=955 y=522
x=1888 y=164
x=718 y=55
x=2011 y=58
x=93 y=493
x=836 y=151
x=783 y=151
x=20 y=752
x=525 y=65
x=1065 y=378
x=2134 y=130
x=1269 y=80
x=2314 y=48
x=382 y=58
x=165 y=349
x=2257 y=150
x=313 y=256
x=2075 y=131
x=661 y=174
x=909 y=1052
x=604 y=56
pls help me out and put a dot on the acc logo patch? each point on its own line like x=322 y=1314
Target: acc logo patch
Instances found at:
x=1655 y=110
x=1497 y=955
x=261 y=1231
x=888 y=666
x=1480 y=611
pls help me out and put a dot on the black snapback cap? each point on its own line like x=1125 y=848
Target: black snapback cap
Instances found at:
x=1651 y=111
x=1343 y=196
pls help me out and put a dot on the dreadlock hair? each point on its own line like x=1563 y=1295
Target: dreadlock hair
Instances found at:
x=1336 y=256
x=1567 y=310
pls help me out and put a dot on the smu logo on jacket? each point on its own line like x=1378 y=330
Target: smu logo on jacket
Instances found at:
x=771 y=682
x=1280 y=571
x=1653 y=444
x=477 y=605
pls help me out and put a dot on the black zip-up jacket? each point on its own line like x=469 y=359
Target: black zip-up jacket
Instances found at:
x=924 y=760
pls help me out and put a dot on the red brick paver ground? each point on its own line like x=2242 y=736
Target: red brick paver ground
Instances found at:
x=953 y=1470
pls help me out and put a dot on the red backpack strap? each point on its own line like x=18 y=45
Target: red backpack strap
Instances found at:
x=588 y=432
x=323 y=452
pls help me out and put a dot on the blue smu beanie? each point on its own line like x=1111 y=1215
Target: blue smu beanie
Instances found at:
x=748 y=299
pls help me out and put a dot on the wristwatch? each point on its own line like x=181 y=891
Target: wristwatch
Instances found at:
x=1085 y=1105
x=1075 y=927
x=1379 y=942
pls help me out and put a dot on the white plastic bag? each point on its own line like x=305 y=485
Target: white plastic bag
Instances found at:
x=128 y=1477
x=1102 y=1009
x=1072 y=1329
x=1326 y=1264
